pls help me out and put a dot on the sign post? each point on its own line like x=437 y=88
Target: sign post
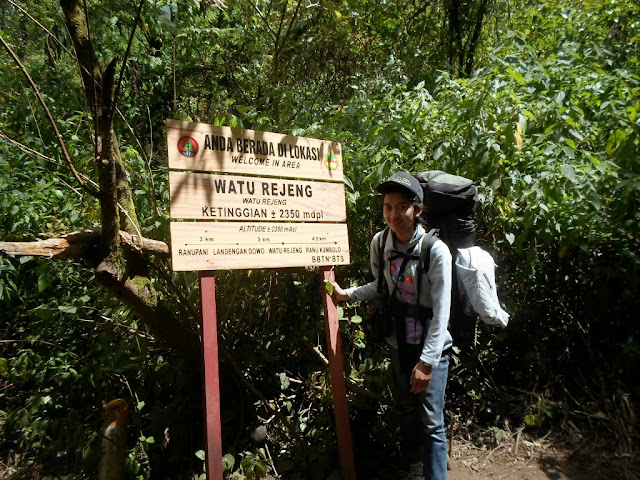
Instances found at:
x=211 y=378
x=336 y=370
x=246 y=199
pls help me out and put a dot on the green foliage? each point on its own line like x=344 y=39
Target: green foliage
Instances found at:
x=553 y=141
x=548 y=126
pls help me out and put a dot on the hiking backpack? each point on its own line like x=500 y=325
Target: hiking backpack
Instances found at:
x=450 y=207
x=450 y=202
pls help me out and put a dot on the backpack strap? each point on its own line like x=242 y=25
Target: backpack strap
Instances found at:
x=383 y=242
x=428 y=240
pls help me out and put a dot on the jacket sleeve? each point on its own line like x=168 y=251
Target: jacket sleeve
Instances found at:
x=440 y=285
x=370 y=290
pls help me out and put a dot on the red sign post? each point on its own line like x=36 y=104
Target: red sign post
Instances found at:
x=338 y=389
x=211 y=377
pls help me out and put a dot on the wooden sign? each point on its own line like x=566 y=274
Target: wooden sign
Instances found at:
x=262 y=203
x=202 y=196
x=246 y=245
x=207 y=148
x=247 y=221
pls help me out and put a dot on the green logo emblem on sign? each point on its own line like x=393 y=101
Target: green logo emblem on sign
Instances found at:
x=188 y=147
x=331 y=161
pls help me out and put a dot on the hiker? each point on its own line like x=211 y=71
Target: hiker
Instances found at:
x=418 y=334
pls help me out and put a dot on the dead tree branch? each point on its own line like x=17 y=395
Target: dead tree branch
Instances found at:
x=76 y=245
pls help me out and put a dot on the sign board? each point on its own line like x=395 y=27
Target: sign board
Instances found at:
x=244 y=245
x=207 y=148
x=202 y=196
x=261 y=199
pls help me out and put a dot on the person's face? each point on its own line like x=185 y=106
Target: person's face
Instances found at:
x=400 y=214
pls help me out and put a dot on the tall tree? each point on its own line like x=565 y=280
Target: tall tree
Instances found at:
x=114 y=249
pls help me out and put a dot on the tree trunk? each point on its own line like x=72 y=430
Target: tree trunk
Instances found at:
x=473 y=43
x=122 y=272
x=114 y=440
x=455 y=35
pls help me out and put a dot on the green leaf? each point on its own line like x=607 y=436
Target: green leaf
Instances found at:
x=284 y=381
x=576 y=134
x=67 y=309
x=356 y=319
x=44 y=281
x=569 y=172
x=532 y=420
x=201 y=455
x=260 y=468
x=329 y=288
x=517 y=76
x=437 y=153
x=510 y=238
x=615 y=140
x=228 y=461
x=569 y=152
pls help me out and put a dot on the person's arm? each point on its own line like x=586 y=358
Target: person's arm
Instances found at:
x=420 y=377
x=363 y=292
x=339 y=295
x=440 y=282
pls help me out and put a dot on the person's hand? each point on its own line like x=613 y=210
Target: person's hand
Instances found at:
x=420 y=377
x=338 y=293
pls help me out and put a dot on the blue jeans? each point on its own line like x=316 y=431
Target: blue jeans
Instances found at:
x=424 y=441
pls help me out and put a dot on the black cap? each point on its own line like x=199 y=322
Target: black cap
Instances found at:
x=402 y=180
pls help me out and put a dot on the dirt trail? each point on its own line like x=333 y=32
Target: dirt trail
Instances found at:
x=544 y=460
x=524 y=459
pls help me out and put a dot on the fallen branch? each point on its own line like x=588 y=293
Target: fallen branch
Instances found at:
x=76 y=245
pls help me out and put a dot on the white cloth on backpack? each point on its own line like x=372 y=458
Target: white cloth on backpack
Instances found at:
x=475 y=269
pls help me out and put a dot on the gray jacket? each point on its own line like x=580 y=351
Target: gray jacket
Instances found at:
x=435 y=291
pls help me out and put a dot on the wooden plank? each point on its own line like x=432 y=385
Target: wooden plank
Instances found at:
x=338 y=390
x=207 y=148
x=245 y=245
x=204 y=196
x=211 y=377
